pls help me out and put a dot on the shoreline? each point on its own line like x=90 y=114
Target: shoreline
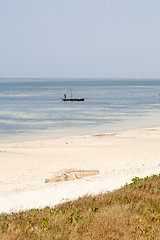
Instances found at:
x=150 y=120
x=119 y=156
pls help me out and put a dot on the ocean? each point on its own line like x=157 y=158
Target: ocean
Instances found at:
x=33 y=109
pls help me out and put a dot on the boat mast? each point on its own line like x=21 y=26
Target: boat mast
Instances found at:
x=71 y=93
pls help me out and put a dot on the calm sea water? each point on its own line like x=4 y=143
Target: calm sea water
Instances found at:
x=34 y=107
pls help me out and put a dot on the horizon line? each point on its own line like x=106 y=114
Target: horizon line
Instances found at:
x=97 y=78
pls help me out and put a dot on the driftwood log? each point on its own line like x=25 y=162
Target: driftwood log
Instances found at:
x=71 y=174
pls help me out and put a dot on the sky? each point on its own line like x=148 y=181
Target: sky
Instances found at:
x=80 y=38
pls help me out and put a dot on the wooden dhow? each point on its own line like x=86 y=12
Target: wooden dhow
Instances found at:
x=71 y=99
x=71 y=174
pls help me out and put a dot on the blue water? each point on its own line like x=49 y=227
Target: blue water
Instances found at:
x=34 y=106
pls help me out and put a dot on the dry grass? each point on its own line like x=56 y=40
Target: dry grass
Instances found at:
x=132 y=212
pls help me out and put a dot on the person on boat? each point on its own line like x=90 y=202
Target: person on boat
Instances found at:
x=65 y=96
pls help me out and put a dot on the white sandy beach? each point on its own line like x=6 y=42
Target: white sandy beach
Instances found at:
x=119 y=157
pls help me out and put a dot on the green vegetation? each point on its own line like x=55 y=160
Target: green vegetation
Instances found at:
x=132 y=212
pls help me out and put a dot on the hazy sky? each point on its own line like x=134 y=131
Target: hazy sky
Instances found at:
x=80 y=38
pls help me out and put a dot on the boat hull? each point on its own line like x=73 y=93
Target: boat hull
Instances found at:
x=73 y=99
